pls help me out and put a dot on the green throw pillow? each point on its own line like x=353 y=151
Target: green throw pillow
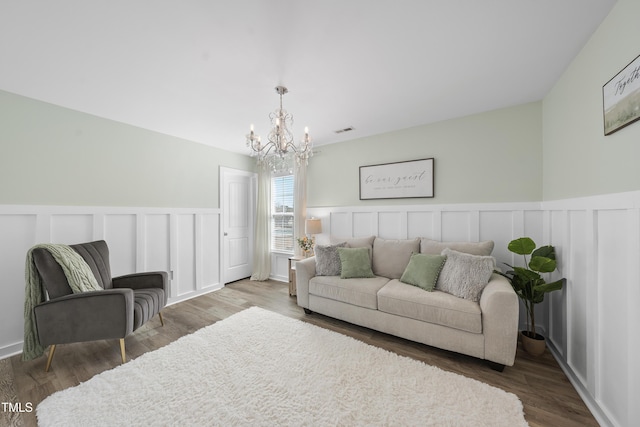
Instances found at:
x=355 y=263
x=423 y=270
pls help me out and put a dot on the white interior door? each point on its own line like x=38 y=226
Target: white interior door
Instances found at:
x=237 y=196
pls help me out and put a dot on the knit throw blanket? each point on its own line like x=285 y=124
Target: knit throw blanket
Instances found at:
x=79 y=276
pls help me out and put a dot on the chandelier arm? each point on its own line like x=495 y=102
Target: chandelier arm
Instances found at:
x=268 y=150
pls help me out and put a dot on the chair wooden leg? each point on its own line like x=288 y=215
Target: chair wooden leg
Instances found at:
x=122 y=352
x=52 y=349
x=161 y=319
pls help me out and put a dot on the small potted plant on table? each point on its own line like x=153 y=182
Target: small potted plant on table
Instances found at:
x=306 y=244
x=530 y=286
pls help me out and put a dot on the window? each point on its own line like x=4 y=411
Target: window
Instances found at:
x=282 y=210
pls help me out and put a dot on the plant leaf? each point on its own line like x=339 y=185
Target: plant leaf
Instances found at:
x=522 y=246
x=542 y=264
x=547 y=251
x=550 y=287
x=537 y=298
x=526 y=274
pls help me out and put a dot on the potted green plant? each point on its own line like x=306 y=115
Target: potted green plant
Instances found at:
x=531 y=287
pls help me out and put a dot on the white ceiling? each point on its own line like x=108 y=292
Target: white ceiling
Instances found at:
x=205 y=70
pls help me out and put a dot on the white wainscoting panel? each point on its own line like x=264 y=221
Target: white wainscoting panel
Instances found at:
x=184 y=242
x=280 y=266
x=633 y=313
x=500 y=222
x=534 y=226
x=18 y=234
x=611 y=295
x=420 y=224
x=209 y=248
x=557 y=301
x=120 y=231
x=185 y=266
x=456 y=226
x=156 y=249
x=497 y=226
x=391 y=224
x=577 y=287
x=593 y=322
x=339 y=224
x=364 y=223
x=71 y=228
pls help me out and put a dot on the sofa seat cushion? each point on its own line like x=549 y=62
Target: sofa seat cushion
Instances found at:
x=435 y=307
x=362 y=292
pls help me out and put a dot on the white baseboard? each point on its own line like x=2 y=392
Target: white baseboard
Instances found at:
x=203 y=291
x=10 y=350
x=586 y=397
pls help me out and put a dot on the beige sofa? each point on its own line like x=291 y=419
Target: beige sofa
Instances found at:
x=486 y=329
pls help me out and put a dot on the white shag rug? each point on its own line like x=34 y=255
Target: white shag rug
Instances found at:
x=260 y=368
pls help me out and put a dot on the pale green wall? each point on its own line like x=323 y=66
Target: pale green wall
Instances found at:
x=55 y=156
x=489 y=157
x=578 y=160
x=546 y=150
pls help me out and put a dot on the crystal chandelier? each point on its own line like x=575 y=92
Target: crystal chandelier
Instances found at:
x=280 y=148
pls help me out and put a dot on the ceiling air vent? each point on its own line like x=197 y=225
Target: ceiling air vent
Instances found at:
x=349 y=129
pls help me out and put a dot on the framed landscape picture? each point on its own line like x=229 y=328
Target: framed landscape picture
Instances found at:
x=621 y=98
x=400 y=180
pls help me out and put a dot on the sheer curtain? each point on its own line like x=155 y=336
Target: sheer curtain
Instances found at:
x=261 y=249
x=300 y=203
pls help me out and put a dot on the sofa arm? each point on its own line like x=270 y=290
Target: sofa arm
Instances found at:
x=305 y=270
x=500 y=314
x=87 y=316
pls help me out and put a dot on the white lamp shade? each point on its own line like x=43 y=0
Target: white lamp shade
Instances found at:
x=313 y=226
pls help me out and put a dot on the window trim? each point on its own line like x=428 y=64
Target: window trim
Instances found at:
x=273 y=214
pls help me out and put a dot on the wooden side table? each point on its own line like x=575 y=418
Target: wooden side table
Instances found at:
x=292 y=274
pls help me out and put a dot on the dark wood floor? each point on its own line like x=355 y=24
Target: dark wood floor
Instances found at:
x=548 y=397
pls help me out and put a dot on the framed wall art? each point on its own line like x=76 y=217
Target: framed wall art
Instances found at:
x=399 y=180
x=621 y=98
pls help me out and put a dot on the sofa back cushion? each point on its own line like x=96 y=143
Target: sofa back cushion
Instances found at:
x=435 y=247
x=354 y=242
x=391 y=257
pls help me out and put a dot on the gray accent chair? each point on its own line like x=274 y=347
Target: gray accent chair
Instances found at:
x=126 y=303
